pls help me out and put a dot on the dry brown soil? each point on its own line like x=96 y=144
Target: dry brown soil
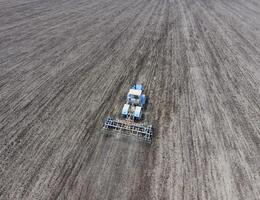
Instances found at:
x=67 y=64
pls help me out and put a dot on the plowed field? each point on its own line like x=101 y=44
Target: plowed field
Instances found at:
x=67 y=64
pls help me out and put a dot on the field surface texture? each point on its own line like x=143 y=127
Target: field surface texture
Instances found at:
x=67 y=64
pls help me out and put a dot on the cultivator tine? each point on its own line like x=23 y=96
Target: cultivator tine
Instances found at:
x=129 y=128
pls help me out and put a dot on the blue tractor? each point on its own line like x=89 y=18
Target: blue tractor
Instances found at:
x=132 y=112
x=134 y=103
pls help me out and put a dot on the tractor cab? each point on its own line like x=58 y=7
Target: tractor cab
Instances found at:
x=135 y=96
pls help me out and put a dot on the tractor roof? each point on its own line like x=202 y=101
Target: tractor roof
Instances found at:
x=135 y=92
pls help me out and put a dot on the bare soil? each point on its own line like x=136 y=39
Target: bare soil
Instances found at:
x=67 y=64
